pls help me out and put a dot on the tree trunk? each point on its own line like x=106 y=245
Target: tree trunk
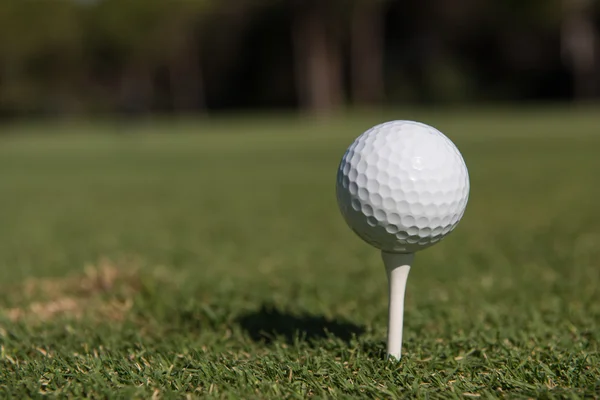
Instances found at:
x=367 y=37
x=185 y=75
x=137 y=88
x=580 y=46
x=317 y=60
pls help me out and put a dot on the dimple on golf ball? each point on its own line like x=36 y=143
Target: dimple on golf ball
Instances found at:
x=402 y=186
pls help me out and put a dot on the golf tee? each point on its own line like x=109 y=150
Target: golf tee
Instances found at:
x=397 y=267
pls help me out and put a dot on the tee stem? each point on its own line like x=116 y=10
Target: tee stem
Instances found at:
x=397 y=267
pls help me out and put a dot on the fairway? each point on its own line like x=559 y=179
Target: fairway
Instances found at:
x=209 y=258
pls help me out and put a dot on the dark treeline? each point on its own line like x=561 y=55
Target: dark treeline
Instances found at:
x=139 y=56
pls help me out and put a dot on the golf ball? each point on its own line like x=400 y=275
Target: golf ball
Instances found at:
x=402 y=186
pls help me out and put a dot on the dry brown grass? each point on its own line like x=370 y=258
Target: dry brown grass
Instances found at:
x=104 y=291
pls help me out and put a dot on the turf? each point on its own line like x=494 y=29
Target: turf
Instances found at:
x=208 y=259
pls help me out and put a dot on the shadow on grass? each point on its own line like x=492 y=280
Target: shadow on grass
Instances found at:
x=269 y=324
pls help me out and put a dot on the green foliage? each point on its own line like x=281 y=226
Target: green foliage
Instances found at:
x=544 y=13
x=246 y=283
x=146 y=26
x=40 y=48
x=30 y=27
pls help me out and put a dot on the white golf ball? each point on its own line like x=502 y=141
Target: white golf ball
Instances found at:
x=402 y=186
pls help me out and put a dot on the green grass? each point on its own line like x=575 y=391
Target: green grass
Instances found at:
x=223 y=267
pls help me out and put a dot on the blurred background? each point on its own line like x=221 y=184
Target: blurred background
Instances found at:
x=213 y=223
x=82 y=57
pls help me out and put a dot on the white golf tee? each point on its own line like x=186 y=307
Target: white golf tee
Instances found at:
x=397 y=267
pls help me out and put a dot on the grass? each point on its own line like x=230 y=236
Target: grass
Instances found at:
x=208 y=259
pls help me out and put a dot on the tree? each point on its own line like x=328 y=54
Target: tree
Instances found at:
x=150 y=34
x=579 y=46
x=367 y=51
x=318 y=59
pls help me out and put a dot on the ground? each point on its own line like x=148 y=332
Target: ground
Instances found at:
x=208 y=259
